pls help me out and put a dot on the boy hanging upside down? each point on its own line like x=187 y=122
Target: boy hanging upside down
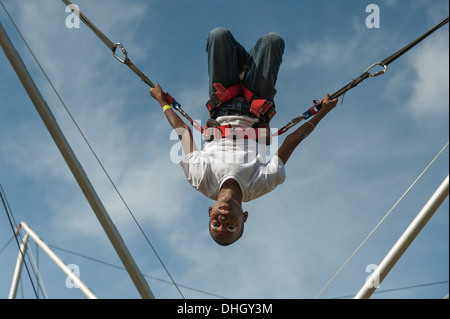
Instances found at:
x=229 y=169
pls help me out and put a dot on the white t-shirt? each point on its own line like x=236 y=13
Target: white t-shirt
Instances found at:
x=241 y=160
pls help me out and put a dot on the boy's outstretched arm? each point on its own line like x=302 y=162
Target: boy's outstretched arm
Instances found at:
x=183 y=130
x=295 y=138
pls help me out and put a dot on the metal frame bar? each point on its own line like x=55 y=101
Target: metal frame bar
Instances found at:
x=58 y=261
x=416 y=226
x=18 y=269
x=75 y=166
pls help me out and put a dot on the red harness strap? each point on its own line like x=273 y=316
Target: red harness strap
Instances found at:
x=222 y=95
x=259 y=107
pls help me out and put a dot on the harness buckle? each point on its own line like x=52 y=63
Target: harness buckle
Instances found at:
x=213 y=103
x=261 y=108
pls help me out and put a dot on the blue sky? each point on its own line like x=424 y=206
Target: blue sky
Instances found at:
x=340 y=182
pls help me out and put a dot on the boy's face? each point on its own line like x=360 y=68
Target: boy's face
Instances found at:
x=226 y=221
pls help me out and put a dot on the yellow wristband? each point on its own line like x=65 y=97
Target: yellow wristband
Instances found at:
x=166 y=107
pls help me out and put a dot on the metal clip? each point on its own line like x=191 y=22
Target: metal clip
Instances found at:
x=294 y=122
x=378 y=72
x=123 y=51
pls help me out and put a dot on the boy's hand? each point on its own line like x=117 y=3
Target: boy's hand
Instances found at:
x=158 y=94
x=328 y=104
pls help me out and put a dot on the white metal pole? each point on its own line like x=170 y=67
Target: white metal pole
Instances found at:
x=18 y=269
x=72 y=276
x=404 y=241
x=76 y=168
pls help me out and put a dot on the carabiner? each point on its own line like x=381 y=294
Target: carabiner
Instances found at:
x=378 y=72
x=123 y=51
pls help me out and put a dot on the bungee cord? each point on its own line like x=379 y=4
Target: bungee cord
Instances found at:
x=365 y=75
x=306 y=115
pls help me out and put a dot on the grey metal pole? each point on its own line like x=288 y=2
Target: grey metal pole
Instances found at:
x=374 y=280
x=58 y=261
x=18 y=269
x=76 y=168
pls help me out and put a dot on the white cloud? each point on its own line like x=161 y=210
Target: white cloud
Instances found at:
x=430 y=88
x=324 y=53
